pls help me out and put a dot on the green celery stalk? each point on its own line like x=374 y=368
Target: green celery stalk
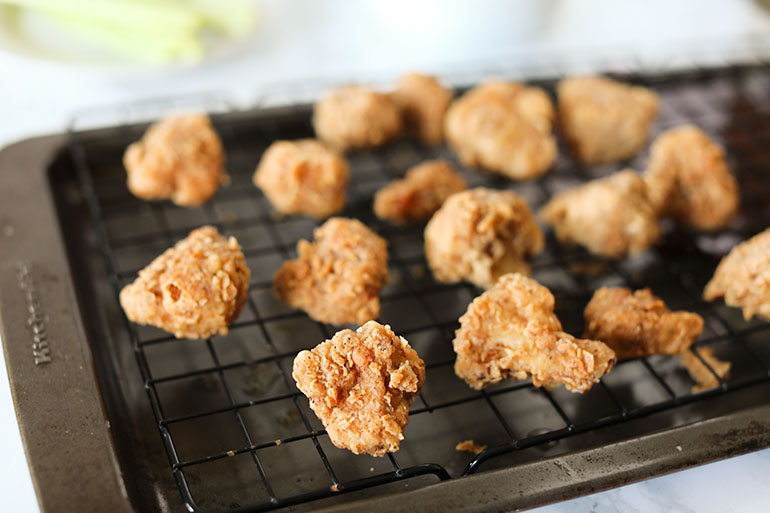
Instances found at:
x=148 y=30
x=153 y=15
x=144 y=45
x=234 y=18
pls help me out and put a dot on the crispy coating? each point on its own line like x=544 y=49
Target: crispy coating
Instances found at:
x=743 y=277
x=194 y=289
x=423 y=103
x=701 y=374
x=611 y=216
x=419 y=194
x=639 y=324
x=511 y=330
x=479 y=235
x=603 y=120
x=303 y=177
x=338 y=277
x=179 y=158
x=688 y=179
x=356 y=117
x=504 y=127
x=360 y=384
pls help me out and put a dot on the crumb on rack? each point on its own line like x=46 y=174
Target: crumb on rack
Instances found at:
x=701 y=374
x=470 y=446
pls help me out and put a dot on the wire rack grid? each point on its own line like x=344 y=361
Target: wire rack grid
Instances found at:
x=239 y=435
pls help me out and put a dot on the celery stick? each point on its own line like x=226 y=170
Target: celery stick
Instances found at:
x=147 y=46
x=147 y=14
x=148 y=30
x=165 y=31
x=234 y=18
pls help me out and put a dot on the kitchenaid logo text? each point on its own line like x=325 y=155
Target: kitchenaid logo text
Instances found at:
x=35 y=318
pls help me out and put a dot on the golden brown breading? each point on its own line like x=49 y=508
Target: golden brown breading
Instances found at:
x=504 y=127
x=688 y=179
x=611 y=216
x=356 y=117
x=419 y=194
x=639 y=324
x=423 y=103
x=195 y=289
x=511 y=330
x=479 y=235
x=700 y=373
x=303 y=177
x=338 y=277
x=604 y=120
x=743 y=277
x=360 y=384
x=179 y=158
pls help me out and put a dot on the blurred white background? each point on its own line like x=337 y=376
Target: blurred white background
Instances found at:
x=308 y=42
x=301 y=41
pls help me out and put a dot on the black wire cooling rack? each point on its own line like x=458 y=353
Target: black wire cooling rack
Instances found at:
x=238 y=434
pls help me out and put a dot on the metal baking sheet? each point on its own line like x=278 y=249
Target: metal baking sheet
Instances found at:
x=159 y=424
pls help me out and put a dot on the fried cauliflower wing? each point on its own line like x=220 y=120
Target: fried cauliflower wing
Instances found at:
x=688 y=179
x=511 y=331
x=338 y=277
x=303 y=177
x=503 y=127
x=361 y=384
x=479 y=235
x=423 y=103
x=354 y=117
x=603 y=120
x=743 y=277
x=195 y=289
x=419 y=194
x=611 y=216
x=179 y=158
x=639 y=324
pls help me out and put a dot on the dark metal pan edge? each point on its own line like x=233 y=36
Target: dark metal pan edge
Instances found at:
x=61 y=418
x=585 y=472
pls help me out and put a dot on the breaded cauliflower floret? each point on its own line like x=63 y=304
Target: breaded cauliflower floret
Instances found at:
x=639 y=324
x=743 y=277
x=603 y=120
x=303 y=177
x=479 y=235
x=423 y=103
x=179 y=158
x=195 y=289
x=337 y=278
x=361 y=384
x=688 y=179
x=504 y=127
x=419 y=194
x=611 y=216
x=353 y=117
x=511 y=331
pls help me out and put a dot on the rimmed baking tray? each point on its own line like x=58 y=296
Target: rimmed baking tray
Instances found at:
x=121 y=417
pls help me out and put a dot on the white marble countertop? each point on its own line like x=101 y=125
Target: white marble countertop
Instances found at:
x=303 y=40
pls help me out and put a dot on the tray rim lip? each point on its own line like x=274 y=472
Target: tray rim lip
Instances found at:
x=57 y=142
x=756 y=418
x=37 y=154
